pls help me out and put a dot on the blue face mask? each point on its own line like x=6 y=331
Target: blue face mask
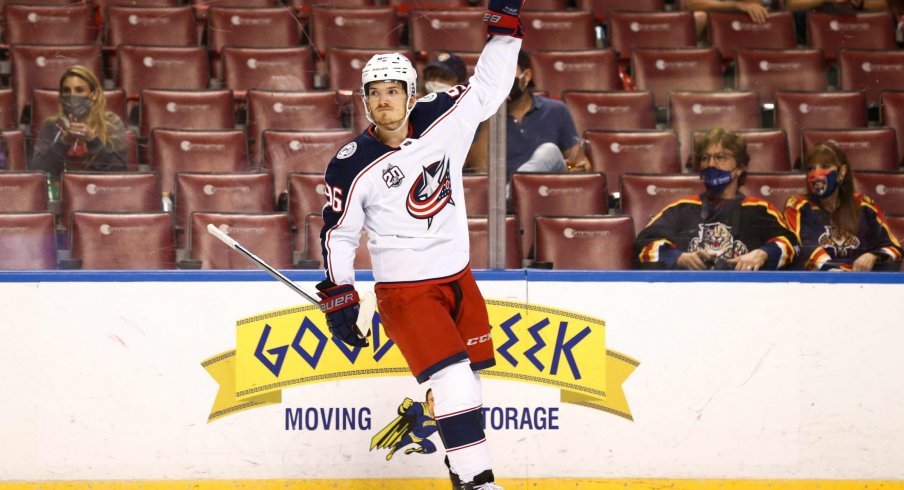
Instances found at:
x=715 y=180
x=822 y=183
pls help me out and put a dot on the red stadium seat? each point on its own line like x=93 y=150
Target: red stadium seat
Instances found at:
x=288 y=151
x=795 y=111
x=314 y=253
x=601 y=8
x=307 y=195
x=250 y=192
x=344 y=67
x=9 y=116
x=15 y=145
x=570 y=194
x=109 y=192
x=48 y=24
x=571 y=29
x=403 y=7
x=372 y=27
x=775 y=187
x=478 y=233
x=632 y=30
x=267 y=235
x=616 y=152
x=185 y=150
x=45 y=102
x=871 y=71
x=864 y=30
x=303 y=8
x=765 y=71
x=693 y=111
x=557 y=71
x=768 y=149
x=731 y=31
x=185 y=109
x=603 y=242
x=27 y=241
x=624 y=110
x=295 y=111
x=163 y=67
x=446 y=30
x=891 y=114
x=246 y=27
x=886 y=188
x=24 y=191
x=123 y=240
x=866 y=148
x=663 y=70
x=267 y=69
x=36 y=66
x=477 y=194
x=645 y=195
x=150 y=26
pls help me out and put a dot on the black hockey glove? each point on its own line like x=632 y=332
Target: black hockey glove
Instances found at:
x=340 y=305
x=503 y=18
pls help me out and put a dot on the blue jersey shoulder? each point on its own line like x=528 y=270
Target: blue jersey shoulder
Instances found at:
x=431 y=107
x=352 y=158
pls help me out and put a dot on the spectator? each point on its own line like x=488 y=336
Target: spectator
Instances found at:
x=83 y=134
x=540 y=136
x=443 y=72
x=757 y=10
x=720 y=228
x=839 y=229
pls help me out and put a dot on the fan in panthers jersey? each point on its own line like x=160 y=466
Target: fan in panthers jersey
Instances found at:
x=401 y=180
x=720 y=228
x=839 y=229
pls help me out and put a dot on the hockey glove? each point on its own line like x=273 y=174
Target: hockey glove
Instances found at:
x=340 y=305
x=503 y=18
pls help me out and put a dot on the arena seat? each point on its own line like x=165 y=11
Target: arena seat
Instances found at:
x=478 y=233
x=477 y=194
x=871 y=148
x=23 y=191
x=645 y=195
x=307 y=195
x=795 y=111
x=616 y=152
x=185 y=109
x=288 y=151
x=768 y=149
x=625 y=110
x=602 y=8
x=344 y=67
x=404 y=7
x=62 y=25
x=585 y=242
x=108 y=192
x=249 y=27
x=445 y=30
x=765 y=71
x=886 y=188
x=372 y=28
x=27 y=241
x=37 y=66
x=563 y=194
x=776 y=188
x=891 y=114
x=303 y=8
x=290 y=110
x=45 y=102
x=547 y=5
x=266 y=235
x=832 y=32
x=161 y=67
x=692 y=111
x=557 y=71
x=629 y=30
x=123 y=240
x=871 y=71
x=15 y=145
x=247 y=69
x=313 y=253
x=149 y=26
x=234 y=192
x=663 y=70
x=731 y=31
x=558 y=30
x=196 y=150
x=9 y=115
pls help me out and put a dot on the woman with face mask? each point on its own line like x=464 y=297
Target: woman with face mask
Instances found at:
x=82 y=135
x=839 y=229
x=720 y=228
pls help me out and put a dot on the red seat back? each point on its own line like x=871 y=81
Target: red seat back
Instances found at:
x=585 y=242
x=478 y=233
x=184 y=150
x=766 y=70
x=645 y=195
x=558 y=71
x=27 y=241
x=630 y=30
x=776 y=188
x=663 y=70
x=866 y=148
x=730 y=31
x=695 y=111
x=267 y=235
x=24 y=191
x=123 y=240
x=795 y=111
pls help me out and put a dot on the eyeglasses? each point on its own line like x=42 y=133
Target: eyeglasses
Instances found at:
x=718 y=158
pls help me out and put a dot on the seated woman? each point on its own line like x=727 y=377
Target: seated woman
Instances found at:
x=838 y=229
x=83 y=135
x=720 y=228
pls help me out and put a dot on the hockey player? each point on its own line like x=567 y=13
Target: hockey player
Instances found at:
x=401 y=180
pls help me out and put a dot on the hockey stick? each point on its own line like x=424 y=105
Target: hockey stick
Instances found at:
x=368 y=303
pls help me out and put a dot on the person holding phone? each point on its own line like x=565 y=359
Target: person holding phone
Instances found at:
x=82 y=135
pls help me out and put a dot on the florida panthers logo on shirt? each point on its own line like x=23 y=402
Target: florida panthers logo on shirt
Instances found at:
x=716 y=238
x=838 y=243
x=431 y=191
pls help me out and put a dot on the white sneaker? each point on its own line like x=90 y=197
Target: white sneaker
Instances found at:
x=488 y=486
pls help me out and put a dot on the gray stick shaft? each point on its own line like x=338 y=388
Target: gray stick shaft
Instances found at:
x=275 y=273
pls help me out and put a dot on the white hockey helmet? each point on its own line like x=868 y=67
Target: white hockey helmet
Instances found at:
x=387 y=67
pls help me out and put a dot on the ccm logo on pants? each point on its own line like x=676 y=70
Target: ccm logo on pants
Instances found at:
x=479 y=340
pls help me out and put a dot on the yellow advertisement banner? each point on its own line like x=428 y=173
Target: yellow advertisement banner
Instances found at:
x=534 y=344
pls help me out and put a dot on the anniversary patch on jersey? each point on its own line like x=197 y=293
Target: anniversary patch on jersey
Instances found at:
x=430 y=192
x=347 y=151
x=716 y=238
x=392 y=176
x=838 y=243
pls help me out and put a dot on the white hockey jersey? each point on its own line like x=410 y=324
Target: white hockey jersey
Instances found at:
x=410 y=199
